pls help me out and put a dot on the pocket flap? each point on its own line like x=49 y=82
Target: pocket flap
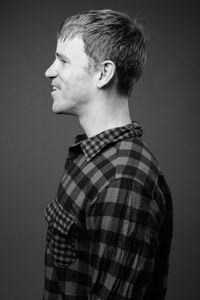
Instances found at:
x=58 y=218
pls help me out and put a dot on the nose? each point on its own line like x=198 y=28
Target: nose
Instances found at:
x=51 y=71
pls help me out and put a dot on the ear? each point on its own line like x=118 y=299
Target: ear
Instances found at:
x=106 y=73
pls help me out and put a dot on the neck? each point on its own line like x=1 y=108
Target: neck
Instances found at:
x=105 y=114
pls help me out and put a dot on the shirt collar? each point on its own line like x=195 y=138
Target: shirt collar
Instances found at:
x=92 y=146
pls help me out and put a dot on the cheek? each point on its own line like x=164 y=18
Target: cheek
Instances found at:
x=68 y=82
x=64 y=81
x=74 y=82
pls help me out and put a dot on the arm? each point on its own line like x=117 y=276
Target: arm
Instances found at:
x=123 y=225
x=158 y=284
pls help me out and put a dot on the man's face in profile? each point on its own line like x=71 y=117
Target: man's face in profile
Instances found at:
x=73 y=84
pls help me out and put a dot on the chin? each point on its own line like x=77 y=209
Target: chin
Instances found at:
x=55 y=110
x=57 y=107
x=59 y=111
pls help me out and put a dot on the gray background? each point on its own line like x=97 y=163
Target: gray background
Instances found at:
x=34 y=142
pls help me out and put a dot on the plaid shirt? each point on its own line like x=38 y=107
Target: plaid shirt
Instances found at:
x=110 y=225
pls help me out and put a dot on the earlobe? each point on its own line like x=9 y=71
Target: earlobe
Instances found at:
x=106 y=73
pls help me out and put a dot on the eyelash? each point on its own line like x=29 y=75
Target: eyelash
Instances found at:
x=62 y=61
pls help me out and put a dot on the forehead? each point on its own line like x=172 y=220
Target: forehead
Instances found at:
x=72 y=48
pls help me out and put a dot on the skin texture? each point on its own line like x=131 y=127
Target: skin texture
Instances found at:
x=84 y=91
x=70 y=75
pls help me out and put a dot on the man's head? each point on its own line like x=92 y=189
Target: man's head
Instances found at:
x=96 y=51
x=110 y=35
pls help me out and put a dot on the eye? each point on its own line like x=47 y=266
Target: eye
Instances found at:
x=62 y=61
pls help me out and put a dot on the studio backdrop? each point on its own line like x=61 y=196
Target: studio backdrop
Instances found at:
x=34 y=142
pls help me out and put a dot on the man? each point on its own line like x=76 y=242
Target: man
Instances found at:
x=110 y=224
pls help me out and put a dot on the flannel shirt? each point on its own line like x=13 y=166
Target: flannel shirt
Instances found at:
x=110 y=224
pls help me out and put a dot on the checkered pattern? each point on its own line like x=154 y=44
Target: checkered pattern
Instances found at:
x=110 y=224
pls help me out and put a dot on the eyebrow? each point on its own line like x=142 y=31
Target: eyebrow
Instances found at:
x=61 y=56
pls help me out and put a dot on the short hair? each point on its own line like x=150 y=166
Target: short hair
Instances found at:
x=110 y=35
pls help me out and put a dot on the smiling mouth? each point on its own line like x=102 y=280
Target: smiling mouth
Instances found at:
x=55 y=88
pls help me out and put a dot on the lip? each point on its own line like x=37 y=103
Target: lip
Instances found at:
x=54 y=91
x=54 y=83
x=55 y=88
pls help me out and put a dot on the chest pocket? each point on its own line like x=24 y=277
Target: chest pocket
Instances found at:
x=60 y=241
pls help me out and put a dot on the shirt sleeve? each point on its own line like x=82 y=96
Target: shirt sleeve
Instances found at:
x=123 y=225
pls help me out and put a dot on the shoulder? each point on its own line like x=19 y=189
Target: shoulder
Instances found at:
x=129 y=159
x=134 y=160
